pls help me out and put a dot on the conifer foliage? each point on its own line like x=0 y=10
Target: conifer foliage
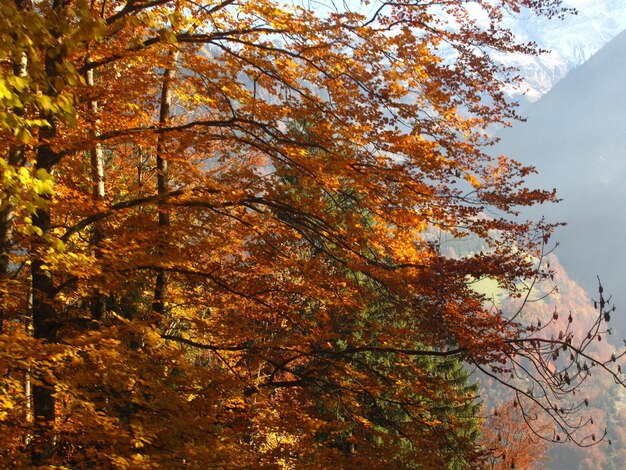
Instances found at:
x=189 y=279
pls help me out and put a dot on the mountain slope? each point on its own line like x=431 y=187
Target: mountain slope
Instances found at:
x=576 y=138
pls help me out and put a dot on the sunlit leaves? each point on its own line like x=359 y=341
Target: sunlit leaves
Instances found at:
x=26 y=191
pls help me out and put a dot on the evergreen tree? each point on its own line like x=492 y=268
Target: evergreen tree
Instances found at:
x=398 y=416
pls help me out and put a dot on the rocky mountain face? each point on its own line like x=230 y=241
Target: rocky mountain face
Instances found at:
x=571 y=41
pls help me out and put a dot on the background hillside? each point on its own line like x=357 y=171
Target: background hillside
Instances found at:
x=575 y=138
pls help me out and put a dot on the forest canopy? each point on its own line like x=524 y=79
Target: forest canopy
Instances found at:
x=218 y=236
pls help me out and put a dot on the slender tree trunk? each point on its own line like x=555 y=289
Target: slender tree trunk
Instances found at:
x=44 y=314
x=28 y=386
x=160 y=288
x=98 y=302
x=44 y=321
x=44 y=327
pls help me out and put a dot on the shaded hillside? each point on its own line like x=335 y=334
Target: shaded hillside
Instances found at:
x=607 y=401
x=576 y=137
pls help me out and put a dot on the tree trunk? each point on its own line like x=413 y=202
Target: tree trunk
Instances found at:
x=98 y=301
x=44 y=327
x=44 y=314
x=160 y=289
x=28 y=385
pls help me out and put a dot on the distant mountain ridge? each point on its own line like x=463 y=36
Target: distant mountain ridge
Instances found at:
x=576 y=138
x=572 y=42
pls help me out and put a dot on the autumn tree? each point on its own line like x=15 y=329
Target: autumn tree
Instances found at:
x=510 y=441
x=389 y=425
x=174 y=302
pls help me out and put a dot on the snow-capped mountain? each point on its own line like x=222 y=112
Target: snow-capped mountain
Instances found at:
x=571 y=41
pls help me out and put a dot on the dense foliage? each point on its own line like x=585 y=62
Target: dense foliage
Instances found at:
x=191 y=279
